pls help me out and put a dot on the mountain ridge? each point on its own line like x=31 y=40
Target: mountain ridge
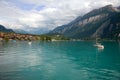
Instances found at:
x=4 y=29
x=97 y=22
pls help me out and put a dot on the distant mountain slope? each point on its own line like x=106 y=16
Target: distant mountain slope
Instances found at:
x=20 y=31
x=103 y=22
x=3 y=29
x=38 y=31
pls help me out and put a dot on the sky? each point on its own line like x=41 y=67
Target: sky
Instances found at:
x=45 y=14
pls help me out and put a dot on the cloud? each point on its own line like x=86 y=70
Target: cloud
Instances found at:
x=29 y=14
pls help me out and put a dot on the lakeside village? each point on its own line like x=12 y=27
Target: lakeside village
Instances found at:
x=5 y=36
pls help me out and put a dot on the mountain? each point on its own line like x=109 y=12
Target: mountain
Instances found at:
x=3 y=29
x=38 y=31
x=20 y=31
x=103 y=22
x=119 y=7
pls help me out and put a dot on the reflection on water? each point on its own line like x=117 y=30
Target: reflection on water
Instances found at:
x=59 y=61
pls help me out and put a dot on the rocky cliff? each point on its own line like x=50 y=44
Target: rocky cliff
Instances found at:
x=103 y=22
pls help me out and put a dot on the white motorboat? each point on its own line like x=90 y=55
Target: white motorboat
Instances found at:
x=100 y=46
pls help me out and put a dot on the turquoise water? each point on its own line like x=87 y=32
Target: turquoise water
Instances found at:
x=65 y=60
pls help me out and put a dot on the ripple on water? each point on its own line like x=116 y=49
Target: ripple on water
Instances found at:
x=104 y=74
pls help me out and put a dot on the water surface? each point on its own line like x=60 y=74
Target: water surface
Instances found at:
x=65 y=60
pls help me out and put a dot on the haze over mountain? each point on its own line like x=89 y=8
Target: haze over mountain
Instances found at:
x=103 y=22
x=20 y=31
x=36 y=31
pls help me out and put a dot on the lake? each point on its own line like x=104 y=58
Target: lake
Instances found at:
x=61 y=60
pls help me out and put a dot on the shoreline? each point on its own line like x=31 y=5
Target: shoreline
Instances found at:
x=28 y=37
